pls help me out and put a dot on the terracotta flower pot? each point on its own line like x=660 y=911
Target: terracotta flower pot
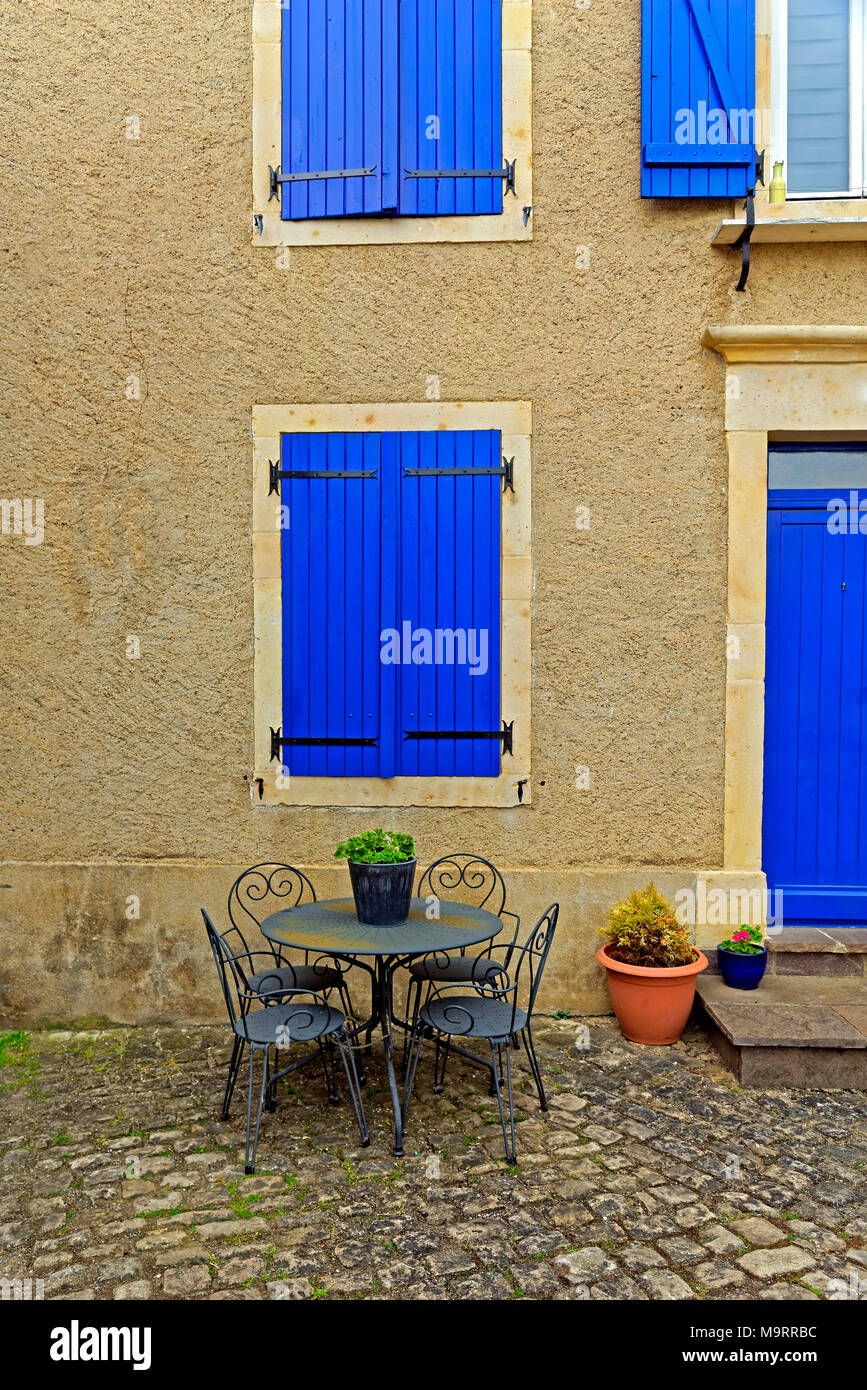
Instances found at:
x=651 y=1004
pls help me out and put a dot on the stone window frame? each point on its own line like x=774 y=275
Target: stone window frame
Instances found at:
x=514 y=420
x=782 y=383
x=510 y=225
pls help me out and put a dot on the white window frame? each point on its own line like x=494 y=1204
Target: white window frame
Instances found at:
x=857 y=100
x=515 y=223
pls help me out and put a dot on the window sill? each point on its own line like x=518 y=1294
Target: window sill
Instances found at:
x=838 y=219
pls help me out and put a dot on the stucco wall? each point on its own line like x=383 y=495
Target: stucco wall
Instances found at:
x=127 y=257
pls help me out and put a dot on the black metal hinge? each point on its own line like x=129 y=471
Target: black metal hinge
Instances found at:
x=276 y=178
x=275 y=473
x=743 y=242
x=507 y=473
x=278 y=743
x=505 y=734
x=507 y=173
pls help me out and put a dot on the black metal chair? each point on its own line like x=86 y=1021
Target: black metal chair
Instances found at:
x=490 y=1012
x=263 y=889
x=261 y=1019
x=471 y=878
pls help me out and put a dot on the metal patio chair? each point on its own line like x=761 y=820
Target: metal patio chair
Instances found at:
x=472 y=879
x=255 y=894
x=261 y=1019
x=491 y=1012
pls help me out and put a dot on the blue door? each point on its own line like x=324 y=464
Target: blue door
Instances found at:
x=815 y=762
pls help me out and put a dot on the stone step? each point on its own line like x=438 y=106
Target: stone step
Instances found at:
x=840 y=952
x=806 y=1031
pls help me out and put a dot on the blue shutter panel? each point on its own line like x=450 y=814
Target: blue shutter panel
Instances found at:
x=698 y=59
x=339 y=106
x=334 y=685
x=449 y=572
x=451 y=104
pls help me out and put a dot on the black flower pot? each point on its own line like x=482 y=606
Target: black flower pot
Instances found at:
x=382 y=892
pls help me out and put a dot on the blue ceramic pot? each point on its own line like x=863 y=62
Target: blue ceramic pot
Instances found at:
x=740 y=970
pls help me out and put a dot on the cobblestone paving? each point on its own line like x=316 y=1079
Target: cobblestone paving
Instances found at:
x=651 y=1177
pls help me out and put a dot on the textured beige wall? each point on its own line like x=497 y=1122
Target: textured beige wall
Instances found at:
x=133 y=257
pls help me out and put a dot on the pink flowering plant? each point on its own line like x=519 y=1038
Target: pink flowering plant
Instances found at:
x=746 y=942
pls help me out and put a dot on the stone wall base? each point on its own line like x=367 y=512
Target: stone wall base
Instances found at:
x=74 y=948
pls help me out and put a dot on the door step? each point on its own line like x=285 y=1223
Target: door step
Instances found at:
x=840 y=952
x=795 y=1030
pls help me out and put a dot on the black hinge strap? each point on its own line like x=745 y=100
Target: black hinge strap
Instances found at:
x=507 y=473
x=277 y=743
x=507 y=173
x=276 y=473
x=276 y=178
x=505 y=734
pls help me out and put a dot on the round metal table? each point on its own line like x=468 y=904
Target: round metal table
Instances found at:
x=332 y=928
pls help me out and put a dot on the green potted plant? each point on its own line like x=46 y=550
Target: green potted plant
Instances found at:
x=743 y=958
x=651 y=965
x=382 y=869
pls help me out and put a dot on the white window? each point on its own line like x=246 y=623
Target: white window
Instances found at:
x=819 y=83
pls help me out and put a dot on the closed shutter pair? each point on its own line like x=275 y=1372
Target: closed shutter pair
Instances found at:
x=391 y=107
x=391 y=604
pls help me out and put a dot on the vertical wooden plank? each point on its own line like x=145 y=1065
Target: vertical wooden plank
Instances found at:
x=429 y=561
x=658 y=74
x=389 y=117
x=369 y=584
x=447 y=104
x=296 y=603
x=446 y=604
x=356 y=129
x=336 y=72
x=296 y=106
x=465 y=538
x=350 y=549
x=408 y=21
x=414 y=571
x=389 y=612
x=332 y=542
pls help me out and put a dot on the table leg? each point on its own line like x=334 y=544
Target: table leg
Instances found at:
x=386 y=974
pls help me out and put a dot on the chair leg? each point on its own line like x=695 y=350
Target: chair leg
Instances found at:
x=511 y=1154
x=234 y=1067
x=348 y=1058
x=442 y=1050
x=250 y=1159
x=534 y=1065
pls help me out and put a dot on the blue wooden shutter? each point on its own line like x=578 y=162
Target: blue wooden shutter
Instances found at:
x=449 y=572
x=698 y=59
x=339 y=107
x=451 y=105
x=335 y=583
x=413 y=556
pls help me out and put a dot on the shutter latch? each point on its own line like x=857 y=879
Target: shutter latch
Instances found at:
x=276 y=178
x=507 y=173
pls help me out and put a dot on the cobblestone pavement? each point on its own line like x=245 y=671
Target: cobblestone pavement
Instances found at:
x=651 y=1177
